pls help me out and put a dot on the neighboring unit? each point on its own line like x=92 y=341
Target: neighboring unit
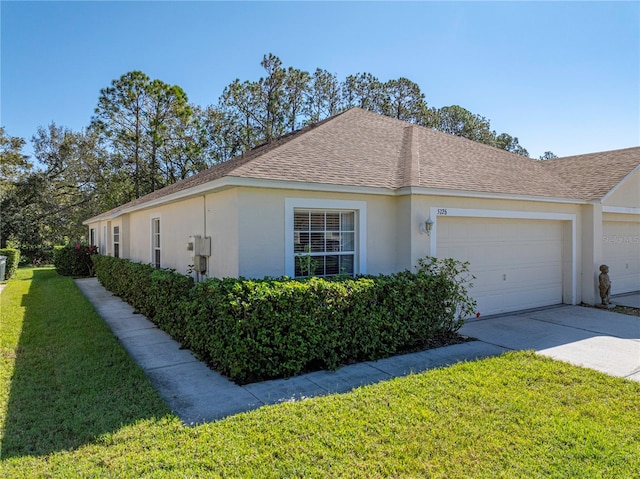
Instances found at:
x=353 y=194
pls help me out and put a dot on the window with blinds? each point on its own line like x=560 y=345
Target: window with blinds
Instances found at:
x=324 y=242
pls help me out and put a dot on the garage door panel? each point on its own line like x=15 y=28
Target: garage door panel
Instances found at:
x=621 y=252
x=517 y=263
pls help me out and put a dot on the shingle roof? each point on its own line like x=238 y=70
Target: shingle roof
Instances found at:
x=361 y=148
x=593 y=175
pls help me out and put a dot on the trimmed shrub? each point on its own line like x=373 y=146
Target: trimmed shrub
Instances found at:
x=252 y=330
x=36 y=255
x=13 y=258
x=74 y=260
x=167 y=292
x=262 y=329
x=131 y=281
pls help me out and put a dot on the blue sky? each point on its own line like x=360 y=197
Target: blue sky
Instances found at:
x=561 y=76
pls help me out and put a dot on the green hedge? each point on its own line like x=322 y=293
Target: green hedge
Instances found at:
x=13 y=258
x=74 y=260
x=253 y=330
x=131 y=281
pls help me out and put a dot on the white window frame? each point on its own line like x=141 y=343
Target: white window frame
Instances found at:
x=92 y=237
x=116 y=241
x=156 y=235
x=360 y=240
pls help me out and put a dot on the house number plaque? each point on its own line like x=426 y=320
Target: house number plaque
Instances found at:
x=442 y=212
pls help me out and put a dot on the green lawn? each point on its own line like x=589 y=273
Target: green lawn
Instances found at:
x=72 y=404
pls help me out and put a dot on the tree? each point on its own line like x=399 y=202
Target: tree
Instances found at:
x=169 y=116
x=403 y=100
x=120 y=117
x=47 y=205
x=458 y=121
x=14 y=167
x=548 y=155
x=14 y=164
x=272 y=95
x=139 y=119
x=323 y=96
x=364 y=91
x=510 y=143
x=221 y=137
x=296 y=90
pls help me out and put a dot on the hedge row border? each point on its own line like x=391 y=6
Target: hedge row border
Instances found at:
x=252 y=330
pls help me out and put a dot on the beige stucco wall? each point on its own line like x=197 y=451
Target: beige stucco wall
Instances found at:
x=222 y=220
x=248 y=233
x=261 y=229
x=178 y=221
x=627 y=194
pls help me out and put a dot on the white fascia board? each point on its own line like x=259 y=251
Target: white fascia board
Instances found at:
x=621 y=210
x=483 y=195
x=613 y=190
x=235 y=181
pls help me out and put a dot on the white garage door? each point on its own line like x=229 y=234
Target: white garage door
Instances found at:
x=621 y=252
x=517 y=263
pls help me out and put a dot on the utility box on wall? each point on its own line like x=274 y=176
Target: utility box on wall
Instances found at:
x=200 y=249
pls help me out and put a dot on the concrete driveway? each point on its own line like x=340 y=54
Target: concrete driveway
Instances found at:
x=588 y=337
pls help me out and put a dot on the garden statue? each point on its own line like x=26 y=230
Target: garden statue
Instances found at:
x=605 y=285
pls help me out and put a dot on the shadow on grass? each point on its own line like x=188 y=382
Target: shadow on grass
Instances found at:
x=72 y=380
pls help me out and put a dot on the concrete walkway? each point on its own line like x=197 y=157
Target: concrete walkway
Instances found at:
x=197 y=394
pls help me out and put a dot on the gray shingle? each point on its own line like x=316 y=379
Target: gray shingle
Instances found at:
x=361 y=148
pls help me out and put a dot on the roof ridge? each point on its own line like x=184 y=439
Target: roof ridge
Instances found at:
x=411 y=159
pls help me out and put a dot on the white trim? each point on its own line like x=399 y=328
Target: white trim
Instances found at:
x=508 y=214
x=613 y=190
x=419 y=190
x=235 y=181
x=360 y=207
x=621 y=209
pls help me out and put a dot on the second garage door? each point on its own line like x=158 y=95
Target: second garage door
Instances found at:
x=517 y=263
x=621 y=252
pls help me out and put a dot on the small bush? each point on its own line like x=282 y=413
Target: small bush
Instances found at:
x=36 y=255
x=74 y=260
x=13 y=258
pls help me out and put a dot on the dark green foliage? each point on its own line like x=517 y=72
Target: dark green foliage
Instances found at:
x=131 y=281
x=167 y=292
x=13 y=258
x=74 y=260
x=252 y=330
x=260 y=329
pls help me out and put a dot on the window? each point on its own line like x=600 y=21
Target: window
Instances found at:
x=116 y=241
x=92 y=237
x=324 y=236
x=155 y=241
x=324 y=242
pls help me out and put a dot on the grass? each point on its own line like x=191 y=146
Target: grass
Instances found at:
x=517 y=415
